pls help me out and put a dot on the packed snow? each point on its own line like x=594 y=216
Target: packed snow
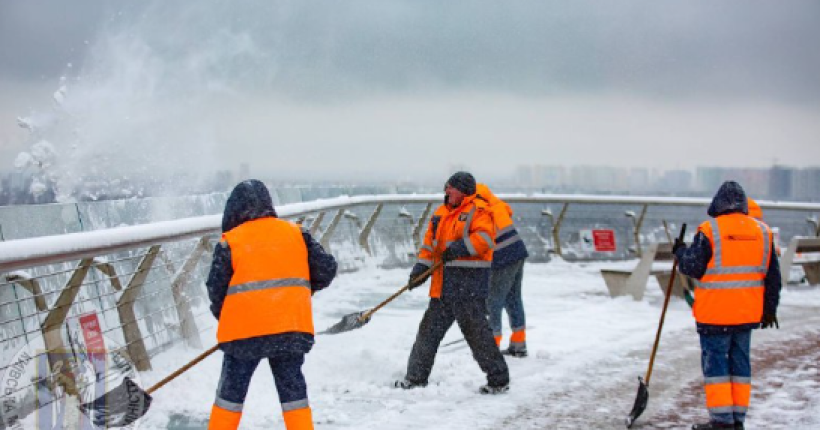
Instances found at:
x=586 y=352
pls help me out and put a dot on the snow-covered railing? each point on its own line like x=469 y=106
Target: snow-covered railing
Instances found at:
x=145 y=281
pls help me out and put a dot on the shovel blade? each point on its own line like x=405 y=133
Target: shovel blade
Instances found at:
x=119 y=407
x=349 y=322
x=640 y=403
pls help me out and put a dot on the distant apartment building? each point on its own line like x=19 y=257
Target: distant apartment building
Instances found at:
x=639 y=180
x=780 y=183
x=549 y=178
x=754 y=180
x=675 y=181
x=806 y=185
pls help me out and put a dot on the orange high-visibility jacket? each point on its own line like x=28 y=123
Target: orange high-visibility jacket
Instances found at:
x=470 y=221
x=509 y=247
x=754 y=209
x=269 y=292
x=731 y=291
x=501 y=211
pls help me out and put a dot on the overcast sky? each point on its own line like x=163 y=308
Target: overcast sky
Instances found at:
x=406 y=89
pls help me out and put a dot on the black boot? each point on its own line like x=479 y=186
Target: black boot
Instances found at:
x=408 y=384
x=739 y=426
x=515 y=352
x=494 y=389
x=713 y=426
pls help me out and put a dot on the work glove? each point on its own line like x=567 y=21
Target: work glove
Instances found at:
x=678 y=245
x=418 y=269
x=769 y=320
x=449 y=255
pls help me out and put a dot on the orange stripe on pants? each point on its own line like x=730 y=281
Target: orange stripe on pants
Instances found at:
x=497 y=340
x=741 y=393
x=223 y=419
x=719 y=395
x=298 y=419
x=518 y=336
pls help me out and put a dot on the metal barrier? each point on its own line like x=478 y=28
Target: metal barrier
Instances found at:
x=146 y=281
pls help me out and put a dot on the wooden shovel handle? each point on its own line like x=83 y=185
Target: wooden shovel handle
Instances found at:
x=182 y=369
x=427 y=272
x=663 y=313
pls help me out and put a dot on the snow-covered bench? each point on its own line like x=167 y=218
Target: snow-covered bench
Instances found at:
x=624 y=282
x=803 y=251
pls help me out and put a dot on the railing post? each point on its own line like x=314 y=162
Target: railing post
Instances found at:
x=420 y=225
x=368 y=227
x=814 y=223
x=556 y=230
x=33 y=287
x=186 y=318
x=125 y=307
x=50 y=328
x=314 y=226
x=636 y=224
x=331 y=228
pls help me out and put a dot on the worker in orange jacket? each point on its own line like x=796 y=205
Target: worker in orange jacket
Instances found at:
x=507 y=276
x=460 y=235
x=738 y=289
x=262 y=277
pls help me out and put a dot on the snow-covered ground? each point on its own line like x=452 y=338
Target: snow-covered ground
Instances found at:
x=586 y=352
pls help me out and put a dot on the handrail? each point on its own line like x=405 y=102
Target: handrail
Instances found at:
x=22 y=253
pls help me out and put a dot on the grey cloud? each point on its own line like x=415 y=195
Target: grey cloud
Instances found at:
x=311 y=48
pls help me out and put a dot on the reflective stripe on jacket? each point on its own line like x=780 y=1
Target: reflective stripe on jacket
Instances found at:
x=731 y=291
x=509 y=247
x=269 y=292
x=471 y=223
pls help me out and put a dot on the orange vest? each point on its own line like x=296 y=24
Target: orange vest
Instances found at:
x=269 y=292
x=470 y=221
x=731 y=291
x=754 y=209
x=500 y=210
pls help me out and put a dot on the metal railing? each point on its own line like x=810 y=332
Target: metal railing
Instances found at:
x=146 y=281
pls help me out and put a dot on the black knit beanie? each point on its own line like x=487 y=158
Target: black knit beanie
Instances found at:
x=463 y=182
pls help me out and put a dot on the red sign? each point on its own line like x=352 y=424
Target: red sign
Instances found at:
x=92 y=332
x=604 y=240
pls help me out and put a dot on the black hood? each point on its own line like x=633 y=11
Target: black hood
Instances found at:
x=248 y=201
x=730 y=198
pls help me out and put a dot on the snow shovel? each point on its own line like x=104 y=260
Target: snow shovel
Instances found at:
x=358 y=319
x=643 y=387
x=128 y=402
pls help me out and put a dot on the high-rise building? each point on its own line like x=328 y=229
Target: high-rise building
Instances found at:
x=676 y=181
x=807 y=185
x=780 y=182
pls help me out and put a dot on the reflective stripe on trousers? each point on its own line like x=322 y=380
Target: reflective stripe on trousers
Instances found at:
x=727 y=375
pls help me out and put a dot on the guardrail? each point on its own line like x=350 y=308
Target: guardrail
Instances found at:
x=139 y=278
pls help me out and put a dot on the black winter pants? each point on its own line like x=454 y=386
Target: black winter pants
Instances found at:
x=287 y=374
x=471 y=315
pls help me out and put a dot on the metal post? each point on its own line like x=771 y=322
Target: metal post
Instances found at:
x=187 y=323
x=314 y=226
x=636 y=224
x=33 y=287
x=556 y=230
x=79 y=216
x=331 y=228
x=814 y=223
x=420 y=225
x=125 y=307
x=368 y=226
x=56 y=318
